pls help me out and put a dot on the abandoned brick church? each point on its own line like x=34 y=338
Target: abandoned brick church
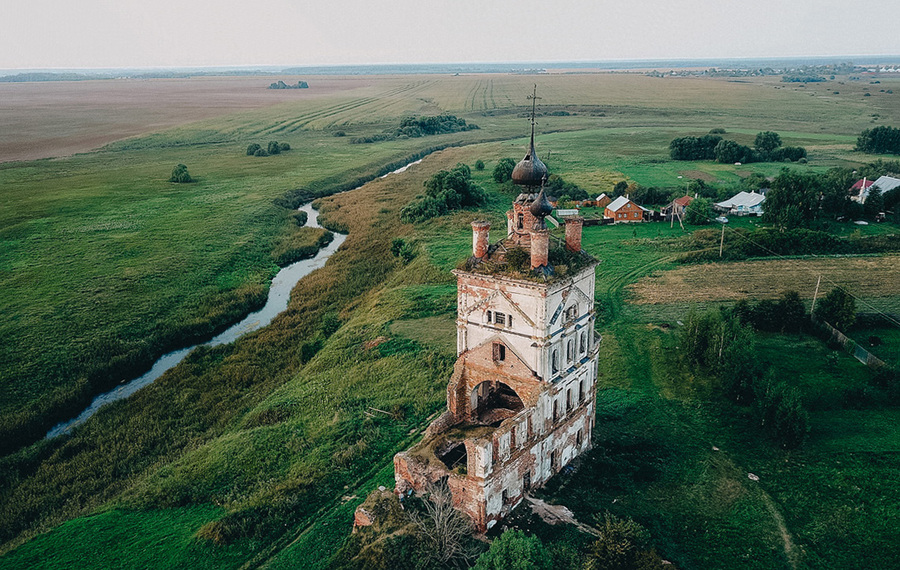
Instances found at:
x=520 y=402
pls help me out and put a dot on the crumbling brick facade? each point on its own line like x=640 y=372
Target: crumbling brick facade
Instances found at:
x=520 y=402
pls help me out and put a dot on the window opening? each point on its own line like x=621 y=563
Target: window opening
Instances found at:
x=489 y=316
x=569 y=400
x=578 y=438
x=583 y=342
x=499 y=318
x=555 y=410
x=554 y=361
x=521 y=221
x=581 y=391
x=499 y=352
x=570 y=351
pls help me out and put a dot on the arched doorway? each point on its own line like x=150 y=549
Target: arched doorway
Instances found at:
x=491 y=402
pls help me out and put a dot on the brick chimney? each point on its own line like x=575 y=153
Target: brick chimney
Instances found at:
x=573 y=233
x=540 y=247
x=480 y=238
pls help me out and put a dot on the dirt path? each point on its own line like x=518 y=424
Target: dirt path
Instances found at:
x=789 y=550
x=558 y=514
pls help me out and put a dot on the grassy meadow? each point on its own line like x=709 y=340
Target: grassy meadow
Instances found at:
x=255 y=454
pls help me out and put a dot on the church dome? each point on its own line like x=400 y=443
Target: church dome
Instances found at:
x=541 y=207
x=530 y=171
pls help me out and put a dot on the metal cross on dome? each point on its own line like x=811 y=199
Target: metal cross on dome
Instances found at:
x=534 y=99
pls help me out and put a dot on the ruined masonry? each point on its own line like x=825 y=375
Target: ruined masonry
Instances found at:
x=520 y=402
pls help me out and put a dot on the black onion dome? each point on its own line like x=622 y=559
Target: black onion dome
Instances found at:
x=530 y=171
x=541 y=207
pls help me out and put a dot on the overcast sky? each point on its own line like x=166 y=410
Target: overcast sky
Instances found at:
x=147 y=33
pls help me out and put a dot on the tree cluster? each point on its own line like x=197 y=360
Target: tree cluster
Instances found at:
x=564 y=191
x=720 y=343
x=766 y=147
x=446 y=191
x=879 y=140
x=414 y=127
x=282 y=85
x=274 y=147
x=694 y=148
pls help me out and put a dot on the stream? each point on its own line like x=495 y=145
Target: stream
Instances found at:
x=279 y=295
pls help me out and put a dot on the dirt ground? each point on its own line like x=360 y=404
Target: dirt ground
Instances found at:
x=60 y=118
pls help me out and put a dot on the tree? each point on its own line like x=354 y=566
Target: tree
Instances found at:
x=443 y=531
x=251 y=149
x=729 y=152
x=180 y=174
x=699 y=212
x=515 y=550
x=479 y=164
x=284 y=146
x=620 y=188
x=793 y=200
x=781 y=413
x=273 y=148
x=261 y=152
x=503 y=170
x=766 y=142
x=623 y=545
x=874 y=202
x=837 y=308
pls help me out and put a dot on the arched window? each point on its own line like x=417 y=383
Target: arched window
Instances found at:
x=554 y=361
x=583 y=342
x=572 y=313
x=570 y=351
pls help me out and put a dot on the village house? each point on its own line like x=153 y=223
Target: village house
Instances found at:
x=602 y=201
x=676 y=208
x=742 y=204
x=861 y=190
x=520 y=401
x=623 y=210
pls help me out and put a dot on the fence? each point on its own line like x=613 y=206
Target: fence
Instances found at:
x=853 y=347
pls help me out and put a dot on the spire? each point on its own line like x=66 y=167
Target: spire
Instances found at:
x=530 y=171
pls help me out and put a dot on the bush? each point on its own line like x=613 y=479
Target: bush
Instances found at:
x=781 y=413
x=698 y=212
x=251 y=150
x=515 y=550
x=180 y=174
x=518 y=259
x=623 y=545
x=284 y=146
x=274 y=147
x=479 y=164
x=446 y=191
x=261 y=152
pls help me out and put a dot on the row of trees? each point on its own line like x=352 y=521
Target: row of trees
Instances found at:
x=766 y=148
x=274 y=147
x=446 y=191
x=879 y=140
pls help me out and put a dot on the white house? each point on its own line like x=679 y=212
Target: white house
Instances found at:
x=884 y=183
x=743 y=204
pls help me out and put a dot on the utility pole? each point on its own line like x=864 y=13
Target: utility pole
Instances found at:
x=722 y=241
x=815 y=295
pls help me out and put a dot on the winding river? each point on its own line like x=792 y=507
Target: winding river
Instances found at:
x=277 y=301
x=279 y=295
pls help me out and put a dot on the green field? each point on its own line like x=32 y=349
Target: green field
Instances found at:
x=256 y=453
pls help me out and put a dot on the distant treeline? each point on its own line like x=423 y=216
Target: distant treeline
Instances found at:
x=412 y=127
x=282 y=85
x=880 y=140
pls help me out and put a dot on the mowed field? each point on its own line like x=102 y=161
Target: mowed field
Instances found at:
x=867 y=277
